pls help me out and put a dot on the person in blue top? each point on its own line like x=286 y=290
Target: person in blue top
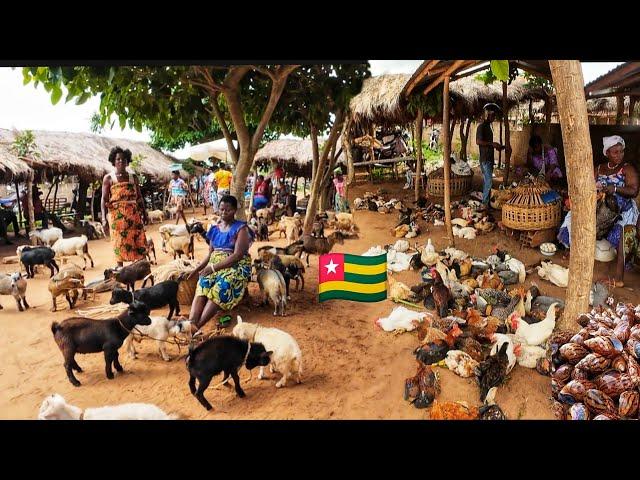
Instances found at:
x=178 y=189
x=226 y=271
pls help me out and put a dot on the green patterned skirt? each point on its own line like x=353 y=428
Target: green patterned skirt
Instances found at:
x=226 y=287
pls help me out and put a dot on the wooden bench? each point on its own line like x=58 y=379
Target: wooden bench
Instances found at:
x=58 y=207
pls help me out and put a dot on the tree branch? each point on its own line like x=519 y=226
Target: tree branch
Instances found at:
x=265 y=71
x=225 y=129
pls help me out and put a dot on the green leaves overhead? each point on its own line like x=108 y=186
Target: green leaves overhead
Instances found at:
x=56 y=94
x=500 y=69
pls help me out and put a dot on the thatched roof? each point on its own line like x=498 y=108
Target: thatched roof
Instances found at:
x=608 y=106
x=11 y=167
x=81 y=154
x=296 y=154
x=379 y=101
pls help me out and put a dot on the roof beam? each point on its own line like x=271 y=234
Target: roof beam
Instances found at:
x=424 y=71
x=447 y=73
x=533 y=69
x=614 y=76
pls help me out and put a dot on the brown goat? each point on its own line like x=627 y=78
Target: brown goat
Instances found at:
x=67 y=282
x=130 y=274
x=319 y=246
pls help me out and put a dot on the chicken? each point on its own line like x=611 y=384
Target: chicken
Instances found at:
x=465 y=267
x=429 y=256
x=468 y=233
x=460 y=363
x=428 y=334
x=447 y=275
x=490 y=410
x=399 y=291
x=556 y=274
x=455 y=254
x=453 y=411
x=541 y=303
x=537 y=333
x=401 y=230
x=528 y=355
x=423 y=387
x=493 y=325
x=516 y=266
x=493 y=370
x=497 y=339
x=490 y=280
x=441 y=294
x=492 y=296
x=470 y=283
x=436 y=351
x=515 y=305
x=484 y=225
x=401 y=319
x=460 y=222
x=470 y=346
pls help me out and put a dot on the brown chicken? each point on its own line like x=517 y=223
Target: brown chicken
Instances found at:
x=436 y=351
x=453 y=411
x=441 y=294
x=470 y=346
x=491 y=281
x=422 y=387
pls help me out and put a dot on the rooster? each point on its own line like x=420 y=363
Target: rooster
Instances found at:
x=436 y=351
x=441 y=294
x=492 y=371
x=422 y=387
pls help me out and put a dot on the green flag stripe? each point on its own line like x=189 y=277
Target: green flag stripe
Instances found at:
x=356 y=297
x=358 y=278
x=360 y=260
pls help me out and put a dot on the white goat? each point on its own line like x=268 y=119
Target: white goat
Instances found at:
x=155 y=215
x=160 y=329
x=74 y=246
x=16 y=286
x=55 y=407
x=286 y=357
x=47 y=237
x=97 y=226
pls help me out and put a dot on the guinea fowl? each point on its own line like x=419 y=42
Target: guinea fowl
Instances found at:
x=422 y=387
x=492 y=371
x=441 y=294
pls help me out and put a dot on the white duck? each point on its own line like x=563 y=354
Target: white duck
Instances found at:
x=429 y=256
x=536 y=333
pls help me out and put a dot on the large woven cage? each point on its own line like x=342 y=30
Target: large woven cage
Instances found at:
x=527 y=210
x=460 y=185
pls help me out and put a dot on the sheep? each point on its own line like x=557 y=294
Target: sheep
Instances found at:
x=168 y=230
x=32 y=256
x=74 y=246
x=160 y=330
x=67 y=282
x=219 y=354
x=16 y=286
x=287 y=356
x=55 y=407
x=151 y=248
x=86 y=335
x=46 y=237
x=155 y=215
x=319 y=246
x=273 y=286
x=181 y=245
x=130 y=274
x=157 y=296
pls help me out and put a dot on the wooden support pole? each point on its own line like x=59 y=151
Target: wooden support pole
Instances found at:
x=418 y=138
x=619 y=109
x=19 y=205
x=507 y=134
x=632 y=107
x=253 y=189
x=572 y=108
x=31 y=215
x=447 y=161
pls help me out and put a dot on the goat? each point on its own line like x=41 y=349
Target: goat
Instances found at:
x=319 y=246
x=75 y=245
x=287 y=356
x=67 y=281
x=32 y=256
x=273 y=286
x=222 y=354
x=130 y=274
x=181 y=245
x=160 y=330
x=157 y=296
x=262 y=233
x=293 y=264
x=155 y=215
x=151 y=248
x=46 y=237
x=16 y=286
x=55 y=407
x=86 y=335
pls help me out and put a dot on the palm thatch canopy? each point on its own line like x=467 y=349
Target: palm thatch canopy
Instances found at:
x=296 y=155
x=11 y=167
x=380 y=101
x=82 y=154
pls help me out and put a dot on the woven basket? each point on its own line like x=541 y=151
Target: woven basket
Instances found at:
x=174 y=270
x=526 y=210
x=460 y=185
x=187 y=290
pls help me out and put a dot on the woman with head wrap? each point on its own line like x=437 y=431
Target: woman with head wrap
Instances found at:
x=341 y=198
x=543 y=159
x=620 y=179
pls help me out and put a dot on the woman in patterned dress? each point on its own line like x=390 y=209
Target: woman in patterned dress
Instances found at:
x=226 y=271
x=121 y=196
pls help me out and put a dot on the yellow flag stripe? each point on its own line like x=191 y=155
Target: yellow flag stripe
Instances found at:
x=365 y=269
x=353 y=287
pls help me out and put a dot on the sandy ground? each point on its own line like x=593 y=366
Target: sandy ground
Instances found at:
x=351 y=369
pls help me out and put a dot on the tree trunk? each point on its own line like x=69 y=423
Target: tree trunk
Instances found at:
x=55 y=196
x=253 y=188
x=315 y=155
x=507 y=135
x=239 y=181
x=465 y=125
x=418 y=138
x=346 y=148
x=82 y=199
x=632 y=107
x=531 y=111
x=500 y=152
x=572 y=108
x=447 y=161
x=451 y=132
x=31 y=215
x=619 y=109
x=548 y=109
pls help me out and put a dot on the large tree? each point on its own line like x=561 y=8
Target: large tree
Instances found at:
x=173 y=100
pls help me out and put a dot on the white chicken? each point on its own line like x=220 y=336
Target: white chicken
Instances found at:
x=429 y=256
x=401 y=246
x=528 y=355
x=460 y=363
x=456 y=254
x=556 y=274
x=516 y=266
x=497 y=340
x=536 y=333
x=460 y=222
x=448 y=275
x=401 y=319
x=468 y=233
x=527 y=302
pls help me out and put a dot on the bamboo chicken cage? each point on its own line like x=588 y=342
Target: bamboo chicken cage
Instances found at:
x=533 y=206
x=460 y=184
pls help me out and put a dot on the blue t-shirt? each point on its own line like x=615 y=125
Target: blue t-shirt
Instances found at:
x=227 y=240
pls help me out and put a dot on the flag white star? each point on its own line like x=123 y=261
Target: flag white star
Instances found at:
x=331 y=267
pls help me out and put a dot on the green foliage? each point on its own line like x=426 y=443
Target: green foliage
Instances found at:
x=430 y=104
x=536 y=81
x=136 y=166
x=94 y=123
x=500 y=68
x=189 y=166
x=25 y=146
x=487 y=77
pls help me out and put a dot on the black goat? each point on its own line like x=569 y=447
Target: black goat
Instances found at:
x=222 y=354
x=32 y=256
x=161 y=294
x=86 y=335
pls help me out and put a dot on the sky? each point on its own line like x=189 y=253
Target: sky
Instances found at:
x=25 y=107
